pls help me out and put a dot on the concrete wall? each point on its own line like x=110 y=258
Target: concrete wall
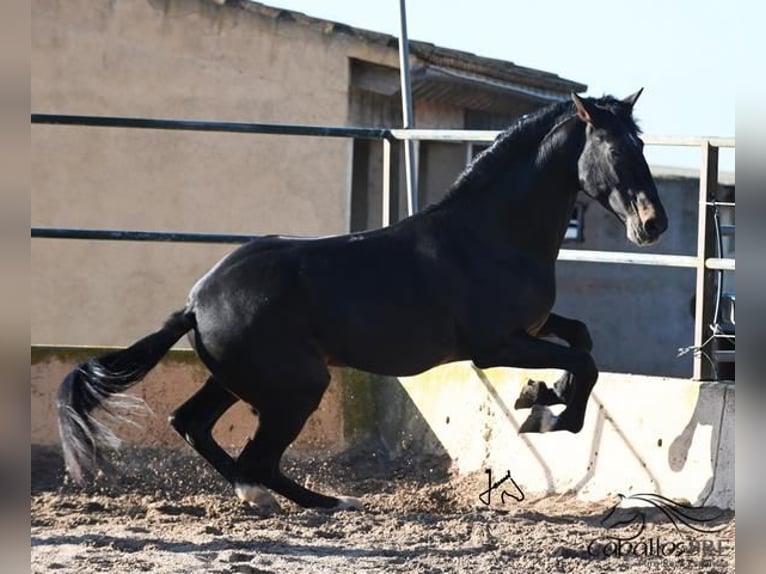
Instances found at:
x=642 y=434
x=175 y=379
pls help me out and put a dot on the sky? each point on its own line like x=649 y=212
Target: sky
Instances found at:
x=682 y=52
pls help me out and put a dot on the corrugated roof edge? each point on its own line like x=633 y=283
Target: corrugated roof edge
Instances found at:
x=425 y=52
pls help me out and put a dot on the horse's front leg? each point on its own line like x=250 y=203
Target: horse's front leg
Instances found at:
x=527 y=352
x=576 y=335
x=574 y=332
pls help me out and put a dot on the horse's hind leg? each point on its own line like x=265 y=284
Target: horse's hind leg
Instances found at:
x=281 y=418
x=194 y=421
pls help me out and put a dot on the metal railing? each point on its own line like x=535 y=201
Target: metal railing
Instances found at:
x=705 y=261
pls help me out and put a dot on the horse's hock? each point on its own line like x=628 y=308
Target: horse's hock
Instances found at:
x=673 y=437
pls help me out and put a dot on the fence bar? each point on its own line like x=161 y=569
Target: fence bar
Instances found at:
x=720 y=264
x=327 y=131
x=206 y=126
x=706 y=244
x=490 y=135
x=581 y=255
x=119 y=235
x=590 y=256
x=688 y=141
x=458 y=136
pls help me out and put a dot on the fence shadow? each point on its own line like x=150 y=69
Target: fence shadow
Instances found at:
x=500 y=403
x=704 y=414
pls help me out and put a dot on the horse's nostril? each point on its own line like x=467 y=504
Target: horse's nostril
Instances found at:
x=652 y=227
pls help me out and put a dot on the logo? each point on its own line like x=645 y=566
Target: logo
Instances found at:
x=627 y=525
x=680 y=515
x=486 y=496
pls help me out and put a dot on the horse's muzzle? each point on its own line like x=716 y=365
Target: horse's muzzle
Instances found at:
x=651 y=222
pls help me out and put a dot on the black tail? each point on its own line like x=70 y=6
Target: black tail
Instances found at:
x=95 y=384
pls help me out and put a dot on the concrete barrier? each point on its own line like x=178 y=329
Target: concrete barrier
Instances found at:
x=673 y=437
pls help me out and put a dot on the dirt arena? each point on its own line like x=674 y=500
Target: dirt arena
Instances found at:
x=168 y=513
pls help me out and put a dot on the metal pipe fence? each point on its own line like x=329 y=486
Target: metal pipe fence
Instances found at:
x=706 y=263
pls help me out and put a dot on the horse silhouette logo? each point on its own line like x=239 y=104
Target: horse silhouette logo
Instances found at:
x=634 y=518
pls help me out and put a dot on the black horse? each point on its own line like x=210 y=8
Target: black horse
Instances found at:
x=470 y=278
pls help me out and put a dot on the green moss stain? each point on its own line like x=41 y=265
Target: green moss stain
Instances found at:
x=73 y=355
x=63 y=354
x=359 y=404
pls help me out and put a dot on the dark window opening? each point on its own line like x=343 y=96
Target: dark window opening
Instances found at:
x=574 y=232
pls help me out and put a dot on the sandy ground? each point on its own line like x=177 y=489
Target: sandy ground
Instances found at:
x=168 y=513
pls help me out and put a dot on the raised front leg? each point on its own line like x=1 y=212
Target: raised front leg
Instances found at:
x=527 y=352
x=574 y=332
x=576 y=335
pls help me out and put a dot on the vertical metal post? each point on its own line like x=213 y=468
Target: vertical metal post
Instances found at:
x=407 y=111
x=703 y=310
x=386 y=193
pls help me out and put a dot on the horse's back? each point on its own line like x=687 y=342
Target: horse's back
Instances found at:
x=365 y=300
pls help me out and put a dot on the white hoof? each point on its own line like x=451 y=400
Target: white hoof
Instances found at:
x=348 y=503
x=256 y=495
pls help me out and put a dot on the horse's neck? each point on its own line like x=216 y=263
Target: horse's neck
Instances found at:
x=526 y=208
x=541 y=214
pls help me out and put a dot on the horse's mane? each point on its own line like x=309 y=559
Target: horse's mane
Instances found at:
x=525 y=135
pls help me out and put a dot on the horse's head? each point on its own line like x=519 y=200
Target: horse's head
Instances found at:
x=612 y=168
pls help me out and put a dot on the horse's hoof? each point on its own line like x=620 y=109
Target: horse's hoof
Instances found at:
x=257 y=496
x=348 y=503
x=528 y=395
x=540 y=420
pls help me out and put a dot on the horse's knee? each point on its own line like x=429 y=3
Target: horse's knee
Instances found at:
x=587 y=372
x=581 y=338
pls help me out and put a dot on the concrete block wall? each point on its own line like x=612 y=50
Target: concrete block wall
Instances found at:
x=673 y=437
x=166 y=387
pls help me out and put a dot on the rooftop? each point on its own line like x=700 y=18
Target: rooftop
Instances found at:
x=439 y=72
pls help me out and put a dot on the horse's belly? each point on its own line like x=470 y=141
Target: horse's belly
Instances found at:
x=393 y=367
x=395 y=350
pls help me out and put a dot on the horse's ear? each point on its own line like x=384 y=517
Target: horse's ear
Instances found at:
x=582 y=109
x=631 y=100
